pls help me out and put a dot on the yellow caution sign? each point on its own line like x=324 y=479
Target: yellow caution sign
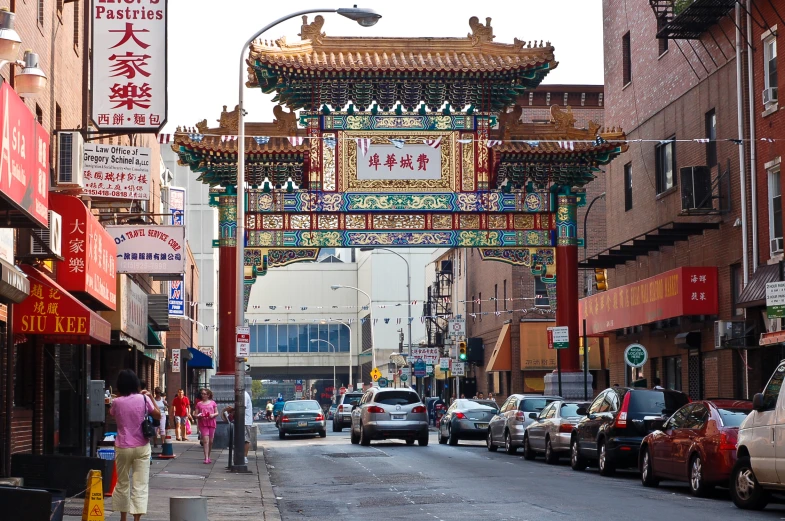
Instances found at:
x=93 y=509
x=376 y=374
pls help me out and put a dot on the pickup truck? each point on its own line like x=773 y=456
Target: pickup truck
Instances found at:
x=343 y=415
x=760 y=451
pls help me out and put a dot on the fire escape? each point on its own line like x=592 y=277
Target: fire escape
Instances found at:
x=688 y=19
x=438 y=307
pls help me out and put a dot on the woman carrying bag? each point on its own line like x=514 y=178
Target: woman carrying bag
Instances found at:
x=131 y=409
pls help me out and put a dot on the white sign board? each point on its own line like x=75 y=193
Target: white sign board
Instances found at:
x=458 y=369
x=430 y=355
x=561 y=337
x=175 y=360
x=7 y=244
x=444 y=364
x=429 y=369
x=775 y=299
x=116 y=172
x=129 y=65
x=156 y=250
x=243 y=341
x=405 y=371
x=456 y=327
x=412 y=162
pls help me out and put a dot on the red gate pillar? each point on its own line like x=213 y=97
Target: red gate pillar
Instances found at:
x=567 y=278
x=227 y=284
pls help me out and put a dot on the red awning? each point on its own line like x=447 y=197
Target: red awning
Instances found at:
x=775 y=337
x=55 y=315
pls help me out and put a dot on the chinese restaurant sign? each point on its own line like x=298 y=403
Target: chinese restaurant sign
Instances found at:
x=129 y=65
x=89 y=253
x=156 y=250
x=387 y=162
x=116 y=172
x=683 y=291
x=24 y=158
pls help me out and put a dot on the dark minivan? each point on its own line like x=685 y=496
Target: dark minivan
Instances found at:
x=615 y=424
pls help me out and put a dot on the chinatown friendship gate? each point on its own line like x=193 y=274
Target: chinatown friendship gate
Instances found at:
x=401 y=142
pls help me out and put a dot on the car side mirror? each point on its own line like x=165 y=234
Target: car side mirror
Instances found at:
x=533 y=415
x=757 y=402
x=581 y=411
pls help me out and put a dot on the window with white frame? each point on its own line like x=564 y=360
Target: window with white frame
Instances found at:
x=775 y=210
x=770 y=69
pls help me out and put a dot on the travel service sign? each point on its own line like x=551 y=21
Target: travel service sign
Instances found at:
x=157 y=250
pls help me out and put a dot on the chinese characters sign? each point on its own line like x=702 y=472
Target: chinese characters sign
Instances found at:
x=175 y=360
x=129 y=65
x=89 y=253
x=24 y=158
x=156 y=250
x=176 y=298
x=116 y=172
x=430 y=355
x=683 y=291
x=387 y=162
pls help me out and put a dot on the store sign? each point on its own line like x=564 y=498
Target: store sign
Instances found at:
x=89 y=252
x=429 y=355
x=155 y=250
x=775 y=299
x=129 y=65
x=535 y=354
x=683 y=291
x=24 y=158
x=116 y=172
x=177 y=205
x=635 y=355
x=175 y=360
x=130 y=318
x=412 y=162
x=176 y=298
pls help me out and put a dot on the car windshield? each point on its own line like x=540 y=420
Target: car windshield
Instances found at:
x=656 y=402
x=535 y=404
x=569 y=410
x=396 y=398
x=733 y=417
x=473 y=404
x=352 y=399
x=306 y=405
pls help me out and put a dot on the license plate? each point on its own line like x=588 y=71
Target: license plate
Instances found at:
x=302 y=424
x=481 y=425
x=397 y=416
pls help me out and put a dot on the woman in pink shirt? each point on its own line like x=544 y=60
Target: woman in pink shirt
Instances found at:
x=132 y=449
x=206 y=411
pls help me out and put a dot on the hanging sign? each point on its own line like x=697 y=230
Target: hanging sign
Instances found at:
x=429 y=355
x=176 y=298
x=175 y=360
x=129 y=80
x=116 y=172
x=155 y=250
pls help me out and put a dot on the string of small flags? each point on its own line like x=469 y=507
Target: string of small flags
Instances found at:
x=444 y=300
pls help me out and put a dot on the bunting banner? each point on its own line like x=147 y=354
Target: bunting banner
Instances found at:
x=295 y=141
x=261 y=140
x=363 y=144
x=433 y=143
x=397 y=143
x=164 y=138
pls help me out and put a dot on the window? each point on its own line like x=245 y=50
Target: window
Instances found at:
x=772 y=390
x=626 y=57
x=711 y=134
x=665 y=164
x=496 y=297
x=597 y=404
x=737 y=285
x=775 y=210
x=76 y=23
x=672 y=369
x=628 y=187
x=540 y=293
x=58 y=117
x=770 y=65
x=505 y=294
x=41 y=12
x=662 y=42
x=39 y=114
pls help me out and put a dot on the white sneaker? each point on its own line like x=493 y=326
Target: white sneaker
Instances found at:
x=246 y=461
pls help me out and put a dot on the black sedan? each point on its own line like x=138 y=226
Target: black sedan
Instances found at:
x=466 y=420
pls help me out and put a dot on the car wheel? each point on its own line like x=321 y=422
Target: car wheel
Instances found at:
x=336 y=427
x=648 y=479
x=605 y=464
x=453 y=438
x=365 y=440
x=509 y=448
x=410 y=441
x=442 y=439
x=745 y=491
x=423 y=439
x=551 y=456
x=528 y=452
x=577 y=461
x=281 y=435
x=323 y=434
x=698 y=485
x=354 y=438
x=489 y=443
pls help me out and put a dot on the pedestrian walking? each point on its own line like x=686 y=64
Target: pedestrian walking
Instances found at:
x=182 y=414
x=248 y=424
x=163 y=406
x=206 y=412
x=132 y=449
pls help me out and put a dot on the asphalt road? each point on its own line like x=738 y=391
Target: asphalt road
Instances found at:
x=331 y=479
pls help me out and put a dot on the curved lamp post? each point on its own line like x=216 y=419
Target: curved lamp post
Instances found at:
x=370 y=308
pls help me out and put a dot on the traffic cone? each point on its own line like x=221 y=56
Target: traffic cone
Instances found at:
x=114 y=479
x=167 y=449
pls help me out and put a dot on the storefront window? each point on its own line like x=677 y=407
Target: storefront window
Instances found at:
x=672 y=369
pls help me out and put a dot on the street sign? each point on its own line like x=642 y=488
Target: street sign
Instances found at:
x=376 y=374
x=419 y=368
x=561 y=337
x=342 y=390
x=428 y=369
x=404 y=377
x=298 y=388
x=456 y=327
x=775 y=299
x=444 y=364
x=243 y=341
x=458 y=369
x=635 y=355
x=383 y=382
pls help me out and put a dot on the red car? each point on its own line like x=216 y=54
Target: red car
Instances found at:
x=697 y=445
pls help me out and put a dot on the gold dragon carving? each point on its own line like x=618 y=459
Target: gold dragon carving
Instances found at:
x=312 y=31
x=480 y=33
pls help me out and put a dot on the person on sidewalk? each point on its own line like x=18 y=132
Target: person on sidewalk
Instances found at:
x=132 y=449
x=248 y=424
x=160 y=402
x=206 y=412
x=182 y=414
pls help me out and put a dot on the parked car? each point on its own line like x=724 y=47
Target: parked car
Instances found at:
x=506 y=428
x=760 y=451
x=390 y=413
x=302 y=417
x=697 y=445
x=467 y=420
x=343 y=414
x=331 y=411
x=550 y=431
x=613 y=427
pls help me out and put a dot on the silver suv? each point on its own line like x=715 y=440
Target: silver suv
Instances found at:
x=507 y=428
x=343 y=414
x=390 y=413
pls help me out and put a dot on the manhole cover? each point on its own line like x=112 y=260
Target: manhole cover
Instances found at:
x=357 y=455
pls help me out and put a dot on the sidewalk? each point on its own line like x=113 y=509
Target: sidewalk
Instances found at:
x=230 y=496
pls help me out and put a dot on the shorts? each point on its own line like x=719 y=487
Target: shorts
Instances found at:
x=207 y=432
x=180 y=419
x=248 y=433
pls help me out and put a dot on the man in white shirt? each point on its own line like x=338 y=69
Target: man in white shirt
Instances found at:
x=248 y=424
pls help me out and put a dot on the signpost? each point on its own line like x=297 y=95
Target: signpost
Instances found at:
x=419 y=368
x=243 y=341
x=376 y=374
x=458 y=369
x=558 y=338
x=775 y=299
x=444 y=364
x=635 y=355
x=383 y=382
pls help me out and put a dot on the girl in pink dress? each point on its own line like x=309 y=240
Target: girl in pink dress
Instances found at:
x=206 y=412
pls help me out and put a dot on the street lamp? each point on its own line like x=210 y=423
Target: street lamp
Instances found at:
x=366 y=18
x=316 y=341
x=31 y=82
x=587 y=289
x=370 y=307
x=349 y=329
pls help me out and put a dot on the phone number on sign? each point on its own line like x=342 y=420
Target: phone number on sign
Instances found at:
x=112 y=193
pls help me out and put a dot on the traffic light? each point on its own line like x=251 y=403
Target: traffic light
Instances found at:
x=462 y=351
x=601 y=279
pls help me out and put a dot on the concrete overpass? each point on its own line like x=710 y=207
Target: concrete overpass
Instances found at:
x=291 y=366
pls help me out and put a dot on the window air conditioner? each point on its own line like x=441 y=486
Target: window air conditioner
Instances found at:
x=696 y=188
x=70 y=159
x=48 y=242
x=769 y=95
x=776 y=245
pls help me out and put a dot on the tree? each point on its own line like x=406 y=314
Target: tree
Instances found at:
x=257 y=391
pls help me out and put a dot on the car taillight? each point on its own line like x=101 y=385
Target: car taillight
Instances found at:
x=420 y=409
x=319 y=417
x=728 y=440
x=565 y=428
x=460 y=415
x=340 y=408
x=520 y=416
x=373 y=409
x=284 y=419
x=621 y=419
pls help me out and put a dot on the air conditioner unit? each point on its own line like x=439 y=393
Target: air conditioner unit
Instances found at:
x=48 y=242
x=726 y=331
x=696 y=188
x=776 y=245
x=70 y=159
x=769 y=95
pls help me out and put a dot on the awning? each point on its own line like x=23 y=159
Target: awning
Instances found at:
x=55 y=315
x=14 y=287
x=153 y=340
x=775 y=337
x=754 y=293
x=199 y=360
x=501 y=358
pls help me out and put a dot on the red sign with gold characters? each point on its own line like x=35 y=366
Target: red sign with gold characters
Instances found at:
x=89 y=253
x=53 y=312
x=689 y=290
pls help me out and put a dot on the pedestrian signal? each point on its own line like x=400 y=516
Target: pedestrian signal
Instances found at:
x=601 y=279
x=462 y=351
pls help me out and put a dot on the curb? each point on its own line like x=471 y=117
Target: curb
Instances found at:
x=269 y=503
